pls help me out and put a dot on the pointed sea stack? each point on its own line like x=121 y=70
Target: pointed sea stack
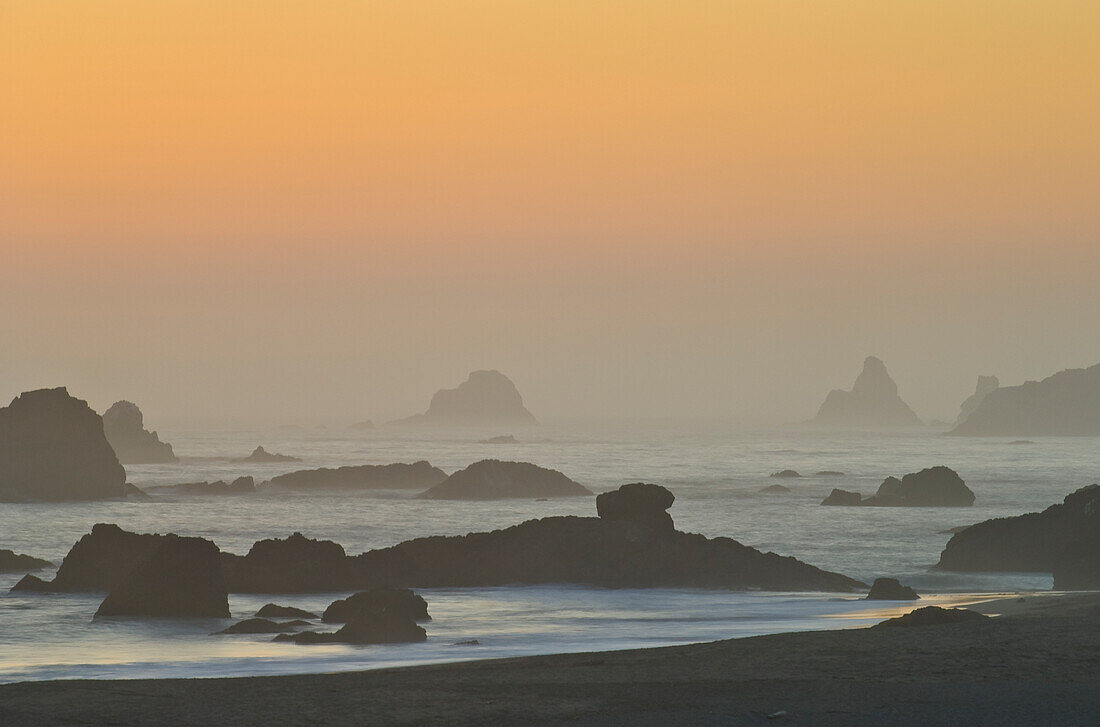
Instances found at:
x=873 y=403
x=124 y=426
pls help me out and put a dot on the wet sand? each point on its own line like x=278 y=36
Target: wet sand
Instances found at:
x=1037 y=663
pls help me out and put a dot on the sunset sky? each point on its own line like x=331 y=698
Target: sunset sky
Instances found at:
x=324 y=211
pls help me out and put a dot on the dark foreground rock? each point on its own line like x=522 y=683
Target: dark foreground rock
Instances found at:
x=1065 y=404
x=492 y=479
x=124 y=427
x=933 y=487
x=262 y=455
x=889 y=589
x=417 y=476
x=104 y=558
x=31 y=583
x=386 y=627
x=182 y=579
x=1057 y=540
x=296 y=564
x=272 y=610
x=367 y=603
x=52 y=447
x=640 y=507
x=260 y=626
x=486 y=398
x=12 y=562
x=872 y=403
x=932 y=616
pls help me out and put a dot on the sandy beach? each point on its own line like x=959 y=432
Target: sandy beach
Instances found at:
x=1037 y=663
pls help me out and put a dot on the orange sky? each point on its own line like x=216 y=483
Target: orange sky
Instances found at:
x=619 y=149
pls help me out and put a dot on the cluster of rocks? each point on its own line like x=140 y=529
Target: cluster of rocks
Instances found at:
x=933 y=487
x=1063 y=540
x=124 y=427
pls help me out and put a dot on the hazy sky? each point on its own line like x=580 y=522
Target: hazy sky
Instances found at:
x=324 y=211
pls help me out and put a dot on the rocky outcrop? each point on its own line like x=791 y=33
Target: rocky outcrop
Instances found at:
x=12 y=562
x=786 y=474
x=640 y=506
x=889 y=589
x=262 y=455
x=1050 y=541
x=1065 y=404
x=52 y=447
x=775 y=490
x=271 y=610
x=387 y=627
x=417 y=476
x=33 y=584
x=492 y=479
x=932 y=616
x=241 y=486
x=986 y=386
x=371 y=603
x=873 y=403
x=182 y=579
x=296 y=564
x=261 y=626
x=933 y=487
x=486 y=398
x=104 y=558
x=124 y=426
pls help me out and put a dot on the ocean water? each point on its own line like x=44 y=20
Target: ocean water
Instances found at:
x=715 y=475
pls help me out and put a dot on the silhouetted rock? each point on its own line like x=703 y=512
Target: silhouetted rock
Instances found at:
x=259 y=626
x=639 y=505
x=241 y=486
x=52 y=447
x=933 y=487
x=828 y=473
x=786 y=474
x=952 y=531
x=371 y=603
x=872 y=403
x=124 y=427
x=1065 y=404
x=492 y=479
x=775 y=489
x=889 y=589
x=12 y=562
x=385 y=627
x=843 y=498
x=262 y=455
x=933 y=616
x=486 y=398
x=1043 y=542
x=33 y=584
x=104 y=558
x=503 y=439
x=182 y=579
x=417 y=476
x=133 y=492
x=1078 y=568
x=986 y=385
x=368 y=424
x=272 y=610
x=294 y=565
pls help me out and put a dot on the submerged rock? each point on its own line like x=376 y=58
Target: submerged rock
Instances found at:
x=503 y=439
x=262 y=455
x=241 y=486
x=52 y=447
x=260 y=626
x=182 y=579
x=417 y=476
x=398 y=600
x=124 y=426
x=933 y=616
x=486 y=398
x=775 y=490
x=872 y=403
x=1065 y=404
x=272 y=610
x=889 y=589
x=786 y=474
x=12 y=562
x=492 y=479
x=828 y=473
x=843 y=498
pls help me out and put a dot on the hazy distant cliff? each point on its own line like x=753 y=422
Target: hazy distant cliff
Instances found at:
x=873 y=402
x=1065 y=404
x=986 y=385
x=485 y=398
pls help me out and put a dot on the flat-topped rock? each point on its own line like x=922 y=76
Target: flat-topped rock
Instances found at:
x=52 y=447
x=492 y=479
x=640 y=504
x=124 y=427
x=416 y=476
x=181 y=579
x=1065 y=404
x=890 y=589
x=872 y=403
x=486 y=398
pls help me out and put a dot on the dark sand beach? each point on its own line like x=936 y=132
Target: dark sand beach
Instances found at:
x=1037 y=663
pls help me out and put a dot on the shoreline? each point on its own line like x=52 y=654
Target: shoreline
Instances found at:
x=1034 y=663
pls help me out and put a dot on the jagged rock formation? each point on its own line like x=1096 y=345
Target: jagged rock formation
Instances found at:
x=293 y=565
x=872 y=403
x=1063 y=539
x=262 y=455
x=124 y=426
x=492 y=479
x=1065 y=404
x=12 y=562
x=986 y=386
x=486 y=398
x=932 y=487
x=181 y=579
x=889 y=589
x=52 y=447
x=932 y=616
x=241 y=486
x=417 y=476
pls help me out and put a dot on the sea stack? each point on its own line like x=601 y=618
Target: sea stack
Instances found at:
x=1066 y=404
x=52 y=447
x=873 y=402
x=124 y=426
x=486 y=398
x=986 y=386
